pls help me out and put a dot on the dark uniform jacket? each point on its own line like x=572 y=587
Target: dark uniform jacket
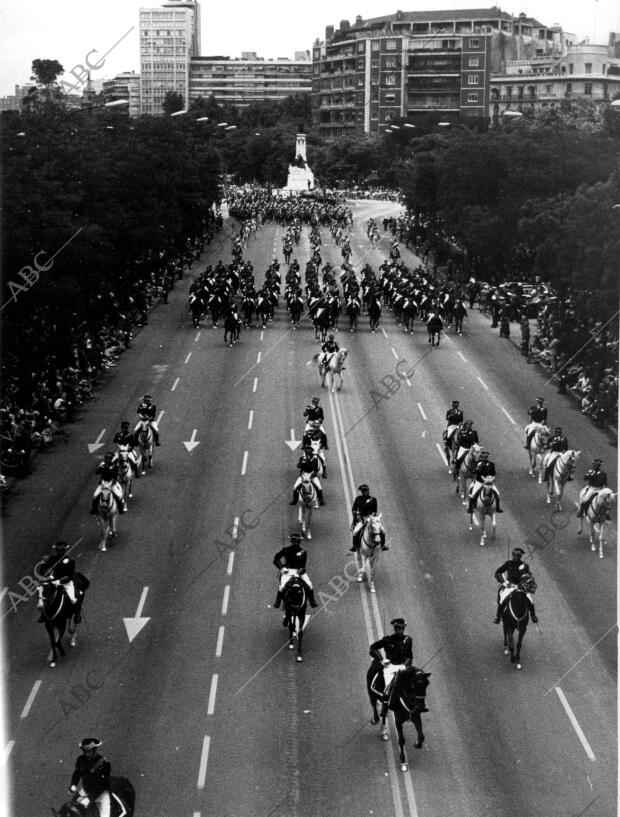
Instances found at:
x=147 y=411
x=308 y=465
x=106 y=472
x=330 y=346
x=125 y=438
x=538 y=414
x=595 y=479
x=558 y=443
x=467 y=437
x=398 y=648
x=514 y=570
x=314 y=413
x=94 y=773
x=484 y=469
x=57 y=567
x=291 y=556
x=364 y=506
x=316 y=435
x=454 y=416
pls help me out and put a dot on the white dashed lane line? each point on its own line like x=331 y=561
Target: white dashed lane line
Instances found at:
x=231 y=561
x=204 y=760
x=509 y=417
x=245 y=463
x=384 y=332
x=484 y=385
x=462 y=356
x=175 y=384
x=394 y=353
x=212 y=694
x=189 y=354
x=575 y=724
x=421 y=410
x=220 y=642
x=251 y=419
x=441 y=454
x=161 y=414
x=31 y=698
x=225 y=600
x=258 y=357
x=197 y=336
x=255 y=384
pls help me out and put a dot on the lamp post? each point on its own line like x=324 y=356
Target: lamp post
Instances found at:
x=117 y=103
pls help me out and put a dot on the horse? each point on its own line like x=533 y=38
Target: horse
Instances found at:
x=232 y=328
x=264 y=309
x=370 y=548
x=321 y=323
x=536 y=449
x=465 y=472
x=146 y=442
x=374 y=314
x=296 y=308
x=557 y=472
x=122 y=802
x=434 y=325
x=334 y=367
x=58 y=610
x=295 y=600
x=248 y=307
x=306 y=503
x=406 y=700
x=196 y=306
x=409 y=312
x=107 y=512
x=353 y=310
x=516 y=616
x=448 y=437
x=484 y=507
x=597 y=512
x=125 y=472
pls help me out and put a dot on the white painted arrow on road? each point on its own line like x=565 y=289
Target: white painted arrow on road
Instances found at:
x=135 y=624
x=293 y=443
x=191 y=444
x=92 y=447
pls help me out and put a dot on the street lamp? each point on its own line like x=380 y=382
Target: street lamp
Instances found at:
x=117 y=103
x=178 y=113
x=510 y=114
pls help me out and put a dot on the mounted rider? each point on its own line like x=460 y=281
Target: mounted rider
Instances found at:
x=309 y=466
x=128 y=438
x=398 y=649
x=364 y=506
x=107 y=470
x=329 y=349
x=595 y=479
x=454 y=418
x=147 y=411
x=314 y=412
x=510 y=575
x=484 y=470
x=316 y=438
x=59 y=568
x=556 y=445
x=94 y=771
x=464 y=439
x=291 y=561
x=538 y=416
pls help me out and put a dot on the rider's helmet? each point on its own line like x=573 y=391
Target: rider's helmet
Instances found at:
x=468 y=423
x=307 y=448
x=316 y=401
x=294 y=537
x=398 y=622
x=331 y=337
x=88 y=744
x=456 y=402
x=363 y=487
x=558 y=430
x=597 y=462
x=147 y=397
x=517 y=552
x=60 y=546
x=484 y=452
x=125 y=424
x=540 y=400
x=108 y=455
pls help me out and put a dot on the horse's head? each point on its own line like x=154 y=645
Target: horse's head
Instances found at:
x=571 y=459
x=294 y=593
x=123 y=453
x=376 y=526
x=342 y=356
x=106 y=489
x=306 y=489
x=527 y=583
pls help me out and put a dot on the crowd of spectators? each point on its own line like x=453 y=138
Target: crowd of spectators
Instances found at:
x=53 y=358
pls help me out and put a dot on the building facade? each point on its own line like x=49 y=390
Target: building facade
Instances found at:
x=124 y=86
x=366 y=75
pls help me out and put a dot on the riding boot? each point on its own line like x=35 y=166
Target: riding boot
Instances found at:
x=581 y=511
x=93 y=506
x=383 y=545
x=533 y=615
x=497 y=507
x=295 y=498
x=470 y=507
x=356 y=543
x=156 y=435
x=311 y=598
x=498 y=614
x=119 y=504
x=319 y=493
x=278 y=600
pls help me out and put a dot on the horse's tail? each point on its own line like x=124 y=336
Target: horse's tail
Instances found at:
x=315 y=360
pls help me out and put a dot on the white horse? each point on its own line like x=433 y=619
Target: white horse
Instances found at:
x=334 y=367
x=306 y=503
x=484 y=508
x=558 y=468
x=125 y=472
x=107 y=512
x=536 y=449
x=370 y=548
x=465 y=474
x=596 y=515
x=146 y=441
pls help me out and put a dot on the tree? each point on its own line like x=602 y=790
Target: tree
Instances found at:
x=173 y=101
x=45 y=73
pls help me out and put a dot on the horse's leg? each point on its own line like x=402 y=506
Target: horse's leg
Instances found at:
x=143 y=455
x=300 y=635
x=50 y=632
x=493 y=526
x=385 y=735
x=507 y=639
x=516 y=658
x=601 y=537
x=369 y=574
x=104 y=533
x=559 y=491
x=401 y=741
x=416 y=720
x=483 y=525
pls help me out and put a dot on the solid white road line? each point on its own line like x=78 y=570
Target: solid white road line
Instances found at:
x=421 y=410
x=441 y=454
x=225 y=600
x=258 y=357
x=189 y=354
x=245 y=463
x=220 y=642
x=251 y=419
x=394 y=353
x=509 y=417
x=483 y=383
x=231 y=560
x=31 y=698
x=204 y=759
x=197 y=336
x=175 y=384
x=575 y=723
x=7 y=751
x=255 y=384
x=384 y=332
x=212 y=694
x=462 y=356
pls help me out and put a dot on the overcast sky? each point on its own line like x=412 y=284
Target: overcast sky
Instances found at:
x=67 y=30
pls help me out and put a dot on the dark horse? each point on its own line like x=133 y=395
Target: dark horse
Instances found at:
x=374 y=313
x=295 y=600
x=232 y=328
x=406 y=700
x=515 y=617
x=57 y=611
x=122 y=802
x=434 y=325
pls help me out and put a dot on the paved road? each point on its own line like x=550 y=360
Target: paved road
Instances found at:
x=206 y=710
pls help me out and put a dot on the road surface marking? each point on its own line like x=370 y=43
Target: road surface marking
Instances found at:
x=197 y=336
x=7 y=751
x=231 y=559
x=175 y=384
x=5 y=590
x=245 y=463
x=220 y=642
x=189 y=354
x=235 y=527
x=462 y=356
x=424 y=417
x=575 y=723
x=161 y=414
x=384 y=332
x=258 y=357
x=225 y=600
x=204 y=759
x=255 y=384
x=442 y=455
x=262 y=334
x=31 y=698
x=509 y=417
x=394 y=353
x=212 y=694
x=483 y=383
x=251 y=419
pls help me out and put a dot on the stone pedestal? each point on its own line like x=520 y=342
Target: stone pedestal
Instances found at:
x=300 y=177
